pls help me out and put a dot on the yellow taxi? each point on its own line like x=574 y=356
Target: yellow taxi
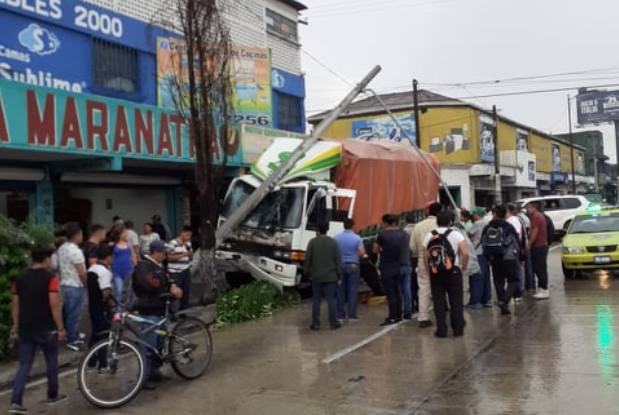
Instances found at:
x=591 y=242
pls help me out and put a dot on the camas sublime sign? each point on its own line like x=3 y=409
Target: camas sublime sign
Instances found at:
x=42 y=119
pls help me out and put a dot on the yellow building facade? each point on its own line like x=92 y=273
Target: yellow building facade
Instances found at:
x=453 y=135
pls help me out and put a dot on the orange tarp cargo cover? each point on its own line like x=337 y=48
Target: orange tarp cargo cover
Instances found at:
x=388 y=177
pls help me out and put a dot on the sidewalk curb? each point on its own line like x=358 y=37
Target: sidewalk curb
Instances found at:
x=68 y=359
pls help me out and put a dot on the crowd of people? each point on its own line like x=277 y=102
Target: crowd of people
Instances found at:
x=423 y=265
x=111 y=268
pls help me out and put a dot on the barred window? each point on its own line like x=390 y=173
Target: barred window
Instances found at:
x=115 y=67
x=288 y=111
x=281 y=25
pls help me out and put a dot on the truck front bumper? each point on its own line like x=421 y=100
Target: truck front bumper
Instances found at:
x=281 y=274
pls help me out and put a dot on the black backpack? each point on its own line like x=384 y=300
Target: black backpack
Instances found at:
x=550 y=229
x=499 y=243
x=440 y=254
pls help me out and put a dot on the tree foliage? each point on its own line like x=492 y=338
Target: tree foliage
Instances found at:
x=16 y=241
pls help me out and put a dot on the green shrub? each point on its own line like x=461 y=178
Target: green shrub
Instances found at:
x=16 y=241
x=252 y=301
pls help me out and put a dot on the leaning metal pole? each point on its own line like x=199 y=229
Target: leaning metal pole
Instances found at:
x=267 y=186
x=416 y=147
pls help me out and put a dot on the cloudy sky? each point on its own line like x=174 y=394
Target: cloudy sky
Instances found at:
x=442 y=42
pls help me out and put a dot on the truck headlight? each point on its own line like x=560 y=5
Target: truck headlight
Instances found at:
x=280 y=255
x=573 y=250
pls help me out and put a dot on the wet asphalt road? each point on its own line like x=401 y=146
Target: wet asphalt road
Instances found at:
x=553 y=357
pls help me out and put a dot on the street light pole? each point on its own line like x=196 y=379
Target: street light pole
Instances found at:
x=497 y=159
x=569 y=118
x=417 y=120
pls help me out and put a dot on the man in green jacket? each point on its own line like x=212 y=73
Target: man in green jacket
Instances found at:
x=323 y=267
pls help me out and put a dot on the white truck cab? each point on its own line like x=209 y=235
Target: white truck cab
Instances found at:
x=270 y=243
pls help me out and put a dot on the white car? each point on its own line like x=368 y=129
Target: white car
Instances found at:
x=561 y=209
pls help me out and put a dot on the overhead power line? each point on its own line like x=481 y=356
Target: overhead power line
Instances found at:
x=524 y=78
x=353 y=12
x=505 y=94
x=327 y=68
x=355 y=5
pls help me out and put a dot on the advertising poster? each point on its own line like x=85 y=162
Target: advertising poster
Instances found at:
x=531 y=171
x=255 y=140
x=556 y=157
x=580 y=162
x=525 y=169
x=251 y=76
x=383 y=127
x=486 y=138
x=522 y=140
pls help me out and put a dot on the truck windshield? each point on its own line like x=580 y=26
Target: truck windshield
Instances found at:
x=279 y=209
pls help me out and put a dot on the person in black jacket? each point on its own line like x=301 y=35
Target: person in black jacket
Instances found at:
x=501 y=247
x=150 y=281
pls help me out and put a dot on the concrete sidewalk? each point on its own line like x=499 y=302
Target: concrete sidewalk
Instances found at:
x=68 y=359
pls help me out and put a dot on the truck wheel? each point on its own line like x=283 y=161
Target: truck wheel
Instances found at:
x=569 y=274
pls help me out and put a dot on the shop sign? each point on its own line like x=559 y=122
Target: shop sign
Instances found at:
x=251 y=77
x=43 y=119
x=87 y=18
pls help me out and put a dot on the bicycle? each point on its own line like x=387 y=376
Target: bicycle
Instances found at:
x=182 y=345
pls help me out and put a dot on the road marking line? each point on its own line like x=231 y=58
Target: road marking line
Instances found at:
x=555 y=247
x=42 y=381
x=367 y=340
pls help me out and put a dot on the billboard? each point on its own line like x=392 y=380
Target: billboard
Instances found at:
x=383 y=127
x=597 y=106
x=251 y=76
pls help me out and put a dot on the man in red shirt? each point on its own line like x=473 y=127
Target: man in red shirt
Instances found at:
x=538 y=246
x=37 y=321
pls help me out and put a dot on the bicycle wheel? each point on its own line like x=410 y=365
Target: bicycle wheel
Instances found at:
x=191 y=347
x=110 y=380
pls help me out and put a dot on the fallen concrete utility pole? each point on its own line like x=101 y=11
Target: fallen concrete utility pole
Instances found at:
x=269 y=184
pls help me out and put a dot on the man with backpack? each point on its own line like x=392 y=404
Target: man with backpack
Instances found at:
x=391 y=244
x=502 y=248
x=446 y=255
x=538 y=245
x=417 y=248
x=520 y=227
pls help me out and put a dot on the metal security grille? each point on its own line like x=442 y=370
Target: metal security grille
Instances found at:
x=288 y=110
x=602 y=248
x=115 y=67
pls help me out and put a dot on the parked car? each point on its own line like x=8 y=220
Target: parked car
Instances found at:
x=561 y=209
x=591 y=242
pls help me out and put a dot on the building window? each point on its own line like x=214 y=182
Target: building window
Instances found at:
x=115 y=67
x=288 y=111
x=282 y=26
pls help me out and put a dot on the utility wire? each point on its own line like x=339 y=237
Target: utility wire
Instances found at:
x=506 y=94
x=379 y=9
x=327 y=68
x=355 y=5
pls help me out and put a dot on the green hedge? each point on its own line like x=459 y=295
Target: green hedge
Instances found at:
x=252 y=301
x=16 y=241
